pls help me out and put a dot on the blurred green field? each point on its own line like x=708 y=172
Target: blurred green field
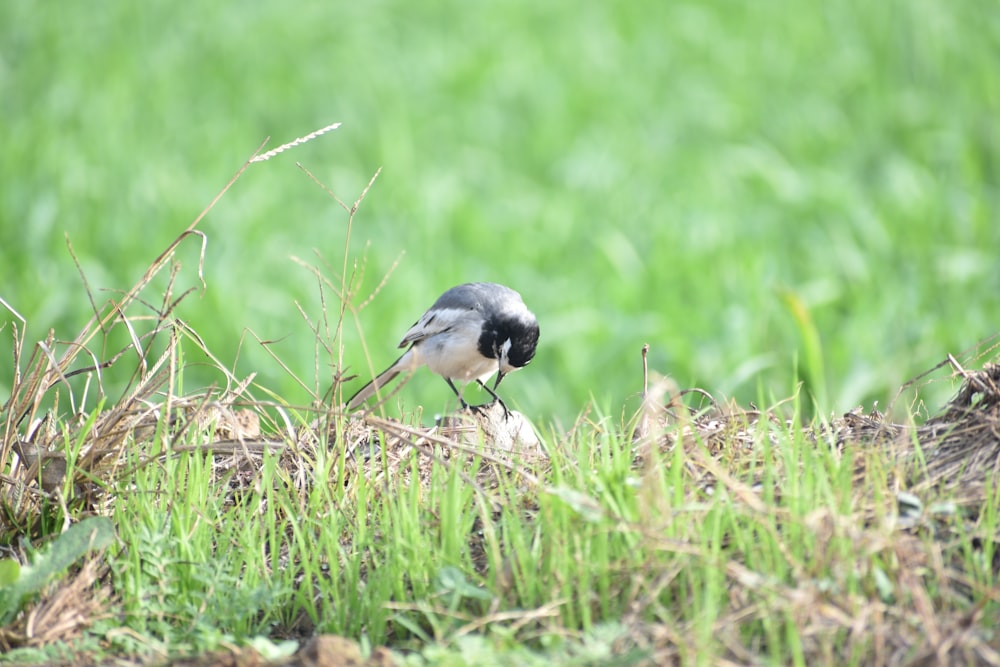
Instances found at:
x=641 y=172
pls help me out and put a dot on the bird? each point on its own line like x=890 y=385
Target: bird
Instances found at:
x=471 y=332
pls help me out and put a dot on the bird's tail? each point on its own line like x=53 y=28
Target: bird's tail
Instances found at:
x=380 y=381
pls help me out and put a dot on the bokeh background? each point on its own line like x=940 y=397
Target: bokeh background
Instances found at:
x=683 y=174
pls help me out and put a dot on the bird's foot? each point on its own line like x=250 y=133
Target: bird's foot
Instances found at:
x=506 y=412
x=484 y=408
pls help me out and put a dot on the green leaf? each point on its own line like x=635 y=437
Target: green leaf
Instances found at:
x=89 y=534
x=10 y=571
x=272 y=650
x=586 y=507
x=812 y=372
x=453 y=580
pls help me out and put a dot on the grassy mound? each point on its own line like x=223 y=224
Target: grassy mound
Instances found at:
x=693 y=531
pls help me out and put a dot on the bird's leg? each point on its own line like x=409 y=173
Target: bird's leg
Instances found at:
x=457 y=393
x=496 y=397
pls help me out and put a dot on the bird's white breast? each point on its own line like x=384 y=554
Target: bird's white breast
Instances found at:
x=453 y=352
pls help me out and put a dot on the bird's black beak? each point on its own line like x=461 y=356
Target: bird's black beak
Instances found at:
x=496 y=384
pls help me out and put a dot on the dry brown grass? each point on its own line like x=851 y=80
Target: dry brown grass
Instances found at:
x=938 y=617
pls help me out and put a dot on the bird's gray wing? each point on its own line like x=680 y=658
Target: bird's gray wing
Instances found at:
x=434 y=321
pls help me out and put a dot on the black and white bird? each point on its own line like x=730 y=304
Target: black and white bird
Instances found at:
x=471 y=332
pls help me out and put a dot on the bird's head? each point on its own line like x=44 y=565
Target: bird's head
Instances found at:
x=514 y=343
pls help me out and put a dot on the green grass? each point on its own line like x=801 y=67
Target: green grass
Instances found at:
x=655 y=174
x=769 y=194
x=762 y=541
